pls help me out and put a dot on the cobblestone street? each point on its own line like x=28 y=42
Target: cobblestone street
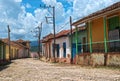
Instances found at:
x=35 y=70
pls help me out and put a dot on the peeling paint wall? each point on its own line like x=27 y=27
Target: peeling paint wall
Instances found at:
x=96 y=59
x=113 y=59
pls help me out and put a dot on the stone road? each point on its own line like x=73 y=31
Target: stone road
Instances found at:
x=35 y=70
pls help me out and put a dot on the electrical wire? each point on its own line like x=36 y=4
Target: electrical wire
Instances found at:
x=62 y=27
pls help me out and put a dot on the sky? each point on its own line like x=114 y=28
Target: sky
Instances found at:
x=23 y=16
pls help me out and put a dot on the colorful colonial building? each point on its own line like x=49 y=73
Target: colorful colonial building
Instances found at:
x=103 y=32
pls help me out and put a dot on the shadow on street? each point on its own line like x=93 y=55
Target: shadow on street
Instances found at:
x=4 y=65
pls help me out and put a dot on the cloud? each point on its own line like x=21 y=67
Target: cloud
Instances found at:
x=82 y=8
x=50 y=2
x=28 y=5
x=59 y=9
x=18 y=0
x=22 y=22
x=9 y=14
x=40 y=14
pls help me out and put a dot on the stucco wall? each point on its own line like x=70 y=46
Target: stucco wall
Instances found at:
x=83 y=59
x=81 y=34
x=7 y=52
x=97 y=30
x=60 y=41
x=43 y=49
x=21 y=53
x=95 y=59
x=113 y=59
x=91 y=59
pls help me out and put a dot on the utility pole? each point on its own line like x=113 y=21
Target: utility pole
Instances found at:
x=9 y=42
x=54 y=31
x=53 y=18
x=39 y=36
x=71 y=39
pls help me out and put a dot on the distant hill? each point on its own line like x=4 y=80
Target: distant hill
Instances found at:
x=34 y=46
x=34 y=43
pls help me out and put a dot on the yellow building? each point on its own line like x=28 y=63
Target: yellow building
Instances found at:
x=17 y=50
x=7 y=52
x=14 y=50
x=2 y=51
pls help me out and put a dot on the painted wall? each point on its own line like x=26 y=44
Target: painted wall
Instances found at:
x=46 y=51
x=95 y=59
x=13 y=52
x=43 y=49
x=21 y=53
x=7 y=52
x=2 y=51
x=60 y=41
x=97 y=30
x=81 y=34
x=113 y=59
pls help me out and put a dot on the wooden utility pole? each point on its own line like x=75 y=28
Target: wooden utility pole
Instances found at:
x=39 y=36
x=53 y=18
x=54 y=31
x=9 y=42
x=71 y=39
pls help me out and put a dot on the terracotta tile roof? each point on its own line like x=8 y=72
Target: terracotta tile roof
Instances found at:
x=13 y=43
x=1 y=41
x=47 y=38
x=109 y=9
x=20 y=40
x=23 y=42
x=18 y=44
x=62 y=33
x=5 y=40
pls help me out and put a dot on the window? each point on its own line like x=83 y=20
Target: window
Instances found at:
x=113 y=23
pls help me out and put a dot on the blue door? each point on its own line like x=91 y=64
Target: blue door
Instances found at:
x=74 y=50
x=58 y=47
x=64 y=50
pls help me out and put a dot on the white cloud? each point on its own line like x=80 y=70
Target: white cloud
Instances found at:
x=18 y=0
x=82 y=8
x=40 y=14
x=28 y=5
x=50 y=2
x=22 y=22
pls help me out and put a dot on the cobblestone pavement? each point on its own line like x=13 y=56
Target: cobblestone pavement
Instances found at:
x=35 y=70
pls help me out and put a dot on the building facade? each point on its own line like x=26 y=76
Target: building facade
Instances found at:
x=103 y=32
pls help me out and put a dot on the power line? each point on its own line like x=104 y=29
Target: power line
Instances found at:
x=67 y=24
x=63 y=26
